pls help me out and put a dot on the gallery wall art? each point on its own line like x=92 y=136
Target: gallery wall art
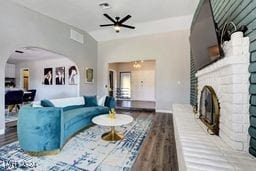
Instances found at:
x=48 y=76
x=73 y=75
x=60 y=75
x=89 y=75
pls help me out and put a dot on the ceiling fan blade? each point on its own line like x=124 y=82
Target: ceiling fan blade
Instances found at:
x=105 y=25
x=123 y=25
x=124 y=19
x=110 y=18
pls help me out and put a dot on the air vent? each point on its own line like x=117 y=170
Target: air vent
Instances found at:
x=76 y=36
x=19 y=51
x=104 y=5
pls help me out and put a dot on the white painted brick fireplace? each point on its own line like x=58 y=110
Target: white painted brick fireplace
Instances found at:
x=229 y=77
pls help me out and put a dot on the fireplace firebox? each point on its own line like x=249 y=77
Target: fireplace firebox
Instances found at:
x=209 y=110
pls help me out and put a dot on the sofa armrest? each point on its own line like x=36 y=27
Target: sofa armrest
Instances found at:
x=110 y=102
x=39 y=128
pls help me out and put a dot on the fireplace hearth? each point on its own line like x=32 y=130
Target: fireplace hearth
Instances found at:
x=209 y=110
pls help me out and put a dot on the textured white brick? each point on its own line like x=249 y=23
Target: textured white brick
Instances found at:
x=245 y=128
x=234 y=144
x=237 y=50
x=234 y=108
x=238 y=128
x=229 y=77
x=237 y=98
x=238 y=118
x=246 y=119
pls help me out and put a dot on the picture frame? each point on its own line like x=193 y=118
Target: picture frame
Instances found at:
x=89 y=75
x=48 y=76
x=73 y=76
x=60 y=75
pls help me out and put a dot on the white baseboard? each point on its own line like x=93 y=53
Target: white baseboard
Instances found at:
x=2 y=131
x=163 y=111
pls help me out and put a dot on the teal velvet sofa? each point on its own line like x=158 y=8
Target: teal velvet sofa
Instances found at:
x=46 y=127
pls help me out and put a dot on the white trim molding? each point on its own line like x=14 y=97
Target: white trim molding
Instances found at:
x=163 y=111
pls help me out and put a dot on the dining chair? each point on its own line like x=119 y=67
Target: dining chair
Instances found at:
x=13 y=99
x=29 y=96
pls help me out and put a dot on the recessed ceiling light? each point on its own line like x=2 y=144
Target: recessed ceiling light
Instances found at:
x=104 y=5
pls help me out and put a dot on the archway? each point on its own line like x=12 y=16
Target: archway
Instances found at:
x=37 y=61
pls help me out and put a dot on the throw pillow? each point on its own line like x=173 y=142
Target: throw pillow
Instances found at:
x=108 y=102
x=101 y=100
x=46 y=103
x=90 y=101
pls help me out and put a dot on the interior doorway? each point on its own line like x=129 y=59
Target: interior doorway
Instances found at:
x=25 y=78
x=133 y=84
x=111 y=83
x=125 y=85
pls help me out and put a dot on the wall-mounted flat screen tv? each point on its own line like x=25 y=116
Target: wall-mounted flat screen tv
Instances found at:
x=204 y=40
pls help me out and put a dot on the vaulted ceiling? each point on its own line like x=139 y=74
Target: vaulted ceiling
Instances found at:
x=87 y=15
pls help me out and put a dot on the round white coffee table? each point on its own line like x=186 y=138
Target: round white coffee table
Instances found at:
x=120 y=120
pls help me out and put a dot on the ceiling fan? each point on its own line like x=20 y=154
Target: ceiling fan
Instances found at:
x=117 y=22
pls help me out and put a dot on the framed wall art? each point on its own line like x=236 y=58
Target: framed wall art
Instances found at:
x=89 y=75
x=48 y=76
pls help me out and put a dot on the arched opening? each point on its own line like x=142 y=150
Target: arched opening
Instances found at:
x=47 y=74
x=210 y=110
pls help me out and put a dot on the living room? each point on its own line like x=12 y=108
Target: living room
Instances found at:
x=85 y=130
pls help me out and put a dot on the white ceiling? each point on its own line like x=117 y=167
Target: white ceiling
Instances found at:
x=32 y=53
x=152 y=27
x=87 y=15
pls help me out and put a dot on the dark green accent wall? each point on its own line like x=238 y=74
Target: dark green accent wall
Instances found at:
x=193 y=84
x=193 y=79
x=241 y=12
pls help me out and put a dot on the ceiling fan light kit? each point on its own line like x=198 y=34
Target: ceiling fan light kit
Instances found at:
x=117 y=22
x=117 y=28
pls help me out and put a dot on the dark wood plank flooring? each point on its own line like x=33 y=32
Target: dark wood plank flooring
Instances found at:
x=158 y=151
x=10 y=134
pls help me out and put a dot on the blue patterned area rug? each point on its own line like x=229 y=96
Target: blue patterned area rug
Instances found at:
x=85 y=151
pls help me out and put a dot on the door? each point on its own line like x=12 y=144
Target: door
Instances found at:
x=111 y=83
x=125 y=84
x=25 y=79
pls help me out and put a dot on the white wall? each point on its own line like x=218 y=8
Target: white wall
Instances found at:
x=21 y=27
x=36 y=73
x=142 y=79
x=171 y=52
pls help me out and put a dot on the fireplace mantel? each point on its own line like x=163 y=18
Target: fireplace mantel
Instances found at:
x=222 y=63
x=235 y=53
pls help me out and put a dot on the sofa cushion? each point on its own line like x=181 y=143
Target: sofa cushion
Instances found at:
x=72 y=107
x=68 y=101
x=47 y=103
x=90 y=101
x=72 y=116
x=102 y=109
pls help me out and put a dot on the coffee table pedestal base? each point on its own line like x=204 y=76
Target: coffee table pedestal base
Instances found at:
x=112 y=135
